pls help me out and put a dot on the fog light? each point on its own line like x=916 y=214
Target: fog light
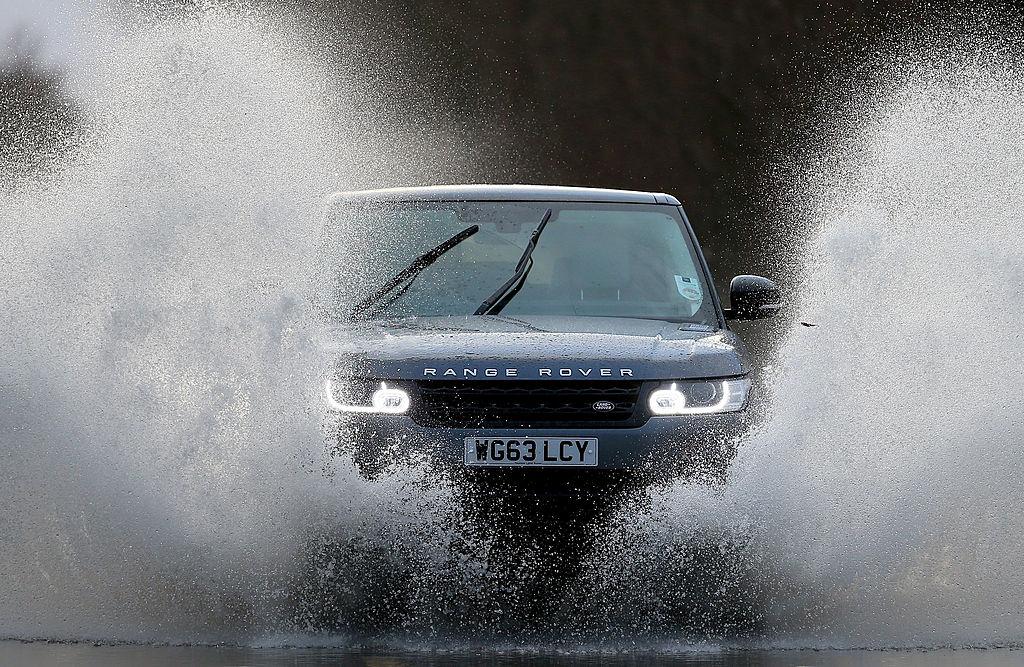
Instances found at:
x=669 y=401
x=390 y=401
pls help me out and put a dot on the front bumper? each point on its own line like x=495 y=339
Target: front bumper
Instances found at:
x=663 y=445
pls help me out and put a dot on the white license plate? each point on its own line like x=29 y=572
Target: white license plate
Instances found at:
x=533 y=451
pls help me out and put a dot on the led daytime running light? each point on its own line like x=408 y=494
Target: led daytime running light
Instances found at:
x=385 y=400
x=672 y=401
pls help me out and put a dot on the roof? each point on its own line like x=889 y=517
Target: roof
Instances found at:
x=552 y=193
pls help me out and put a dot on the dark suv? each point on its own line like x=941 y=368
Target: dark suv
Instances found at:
x=512 y=326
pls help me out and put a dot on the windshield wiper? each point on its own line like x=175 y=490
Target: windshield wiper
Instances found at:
x=408 y=275
x=493 y=304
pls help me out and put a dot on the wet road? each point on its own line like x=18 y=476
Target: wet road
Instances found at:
x=22 y=654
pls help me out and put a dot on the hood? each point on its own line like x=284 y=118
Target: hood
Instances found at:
x=492 y=347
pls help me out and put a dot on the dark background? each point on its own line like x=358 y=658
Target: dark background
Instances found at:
x=714 y=101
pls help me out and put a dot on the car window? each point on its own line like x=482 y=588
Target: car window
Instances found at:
x=613 y=260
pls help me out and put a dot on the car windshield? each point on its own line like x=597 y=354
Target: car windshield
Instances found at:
x=602 y=260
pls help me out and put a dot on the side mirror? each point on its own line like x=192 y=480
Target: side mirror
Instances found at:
x=753 y=298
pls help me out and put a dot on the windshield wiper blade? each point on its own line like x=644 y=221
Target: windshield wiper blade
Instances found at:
x=409 y=273
x=493 y=304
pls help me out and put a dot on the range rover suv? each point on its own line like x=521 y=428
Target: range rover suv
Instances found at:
x=484 y=328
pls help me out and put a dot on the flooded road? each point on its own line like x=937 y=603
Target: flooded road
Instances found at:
x=18 y=654
x=165 y=480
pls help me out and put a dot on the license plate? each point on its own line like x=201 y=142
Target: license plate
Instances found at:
x=542 y=451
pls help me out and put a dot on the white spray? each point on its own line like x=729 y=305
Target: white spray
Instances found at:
x=163 y=458
x=882 y=504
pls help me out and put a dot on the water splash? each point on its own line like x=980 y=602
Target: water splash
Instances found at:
x=881 y=502
x=898 y=488
x=163 y=457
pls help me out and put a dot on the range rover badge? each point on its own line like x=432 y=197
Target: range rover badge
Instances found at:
x=604 y=406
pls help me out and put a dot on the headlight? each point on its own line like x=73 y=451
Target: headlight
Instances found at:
x=700 y=398
x=384 y=400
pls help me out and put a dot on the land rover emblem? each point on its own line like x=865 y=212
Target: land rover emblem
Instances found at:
x=604 y=406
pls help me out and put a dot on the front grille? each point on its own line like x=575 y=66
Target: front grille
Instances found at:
x=526 y=404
